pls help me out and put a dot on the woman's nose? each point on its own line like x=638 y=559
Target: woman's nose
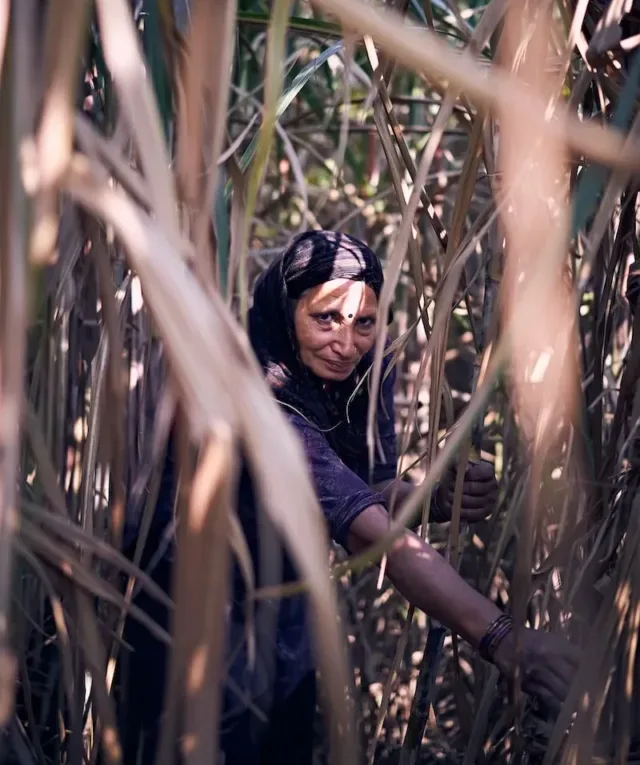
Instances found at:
x=344 y=343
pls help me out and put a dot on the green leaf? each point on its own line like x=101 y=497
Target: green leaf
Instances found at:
x=153 y=45
x=592 y=180
x=276 y=43
x=296 y=23
x=289 y=95
x=417 y=9
x=303 y=78
x=286 y=100
x=222 y=231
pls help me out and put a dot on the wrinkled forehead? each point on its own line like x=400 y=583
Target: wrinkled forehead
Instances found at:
x=344 y=295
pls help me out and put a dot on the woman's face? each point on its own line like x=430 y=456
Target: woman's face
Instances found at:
x=335 y=327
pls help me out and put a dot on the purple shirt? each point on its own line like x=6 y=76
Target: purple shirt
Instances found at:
x=341 y=483
x=343 y=492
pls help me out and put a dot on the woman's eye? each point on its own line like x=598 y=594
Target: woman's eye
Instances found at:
x=366 y=323
x=324 y=318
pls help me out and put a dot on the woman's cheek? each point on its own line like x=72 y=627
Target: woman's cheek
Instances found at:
x=366 y=343
x=311 y=337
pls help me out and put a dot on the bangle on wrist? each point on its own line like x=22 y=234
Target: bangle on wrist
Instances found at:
x=496 y=632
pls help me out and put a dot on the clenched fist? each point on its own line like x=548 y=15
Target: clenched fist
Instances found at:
x=479 y=493
x=548 y=665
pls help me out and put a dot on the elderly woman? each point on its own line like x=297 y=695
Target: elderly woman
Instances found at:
x=313 y=328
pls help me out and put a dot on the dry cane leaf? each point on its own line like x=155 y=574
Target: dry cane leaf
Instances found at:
x=231 y=391
x=54 y=141
x=424 y=52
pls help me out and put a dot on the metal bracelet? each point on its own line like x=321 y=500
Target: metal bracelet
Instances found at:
x=496 y=632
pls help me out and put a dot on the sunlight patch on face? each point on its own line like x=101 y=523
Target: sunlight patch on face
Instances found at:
x=343 y=295
x=334 y=327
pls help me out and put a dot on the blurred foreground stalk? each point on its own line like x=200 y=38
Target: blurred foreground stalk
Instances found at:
x=144 y=270
x=14 y=123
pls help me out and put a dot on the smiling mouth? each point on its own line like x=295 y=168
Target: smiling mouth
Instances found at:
x=339 y=366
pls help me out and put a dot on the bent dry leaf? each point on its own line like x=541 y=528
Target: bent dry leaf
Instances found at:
x=124 y=56
x=544 y=372
x=14 y=234
x=582 y=525
x=273 y=87
x=54 y=142
x=197 y=660
x=206 y=92
x=233 y=392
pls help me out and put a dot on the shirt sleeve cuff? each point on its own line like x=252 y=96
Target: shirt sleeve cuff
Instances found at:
x=361 y=501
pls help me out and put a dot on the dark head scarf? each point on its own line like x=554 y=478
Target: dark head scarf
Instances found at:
x=310 y=259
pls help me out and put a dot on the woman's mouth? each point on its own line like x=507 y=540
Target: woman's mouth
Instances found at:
x=340 y=366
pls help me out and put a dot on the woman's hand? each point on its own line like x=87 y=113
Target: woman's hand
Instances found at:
x=479 y=493
x=548 y=664
x=633 y=287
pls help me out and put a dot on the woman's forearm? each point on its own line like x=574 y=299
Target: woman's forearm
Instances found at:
x=431 y=584
x=425 y=578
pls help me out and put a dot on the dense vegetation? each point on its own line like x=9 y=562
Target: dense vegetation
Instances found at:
x=154 y=157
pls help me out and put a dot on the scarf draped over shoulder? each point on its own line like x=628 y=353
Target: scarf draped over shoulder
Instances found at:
x=312 y=259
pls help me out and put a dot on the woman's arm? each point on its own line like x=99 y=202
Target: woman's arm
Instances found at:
x=395 y=492
x=425 y=578
x=547 y=661
x=398 y=489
